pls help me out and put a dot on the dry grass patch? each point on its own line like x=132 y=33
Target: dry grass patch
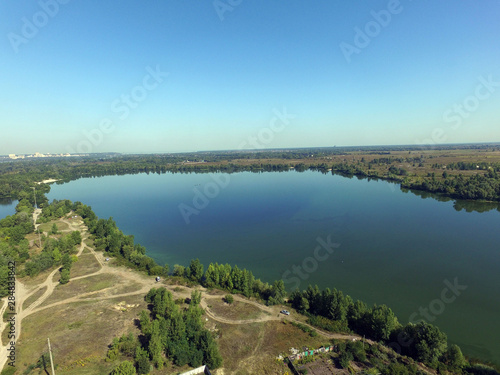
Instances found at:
x=47 y=227
x=86 y=265
x=253 y=348
x=236 y=310
x=78 y=331
x=236 y=342
x=81 y=286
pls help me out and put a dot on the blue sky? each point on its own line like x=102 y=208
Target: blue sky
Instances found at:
x=423 y=72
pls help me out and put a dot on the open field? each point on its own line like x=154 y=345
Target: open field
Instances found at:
x=237 y=310
x=47 y=227
x=87 y=264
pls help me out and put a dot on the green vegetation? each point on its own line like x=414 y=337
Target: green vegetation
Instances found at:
x=125 y=368
x=171 y=335
x=235 y=280
x=55 y=252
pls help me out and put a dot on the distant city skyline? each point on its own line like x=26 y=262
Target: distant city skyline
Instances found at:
x=167 y=77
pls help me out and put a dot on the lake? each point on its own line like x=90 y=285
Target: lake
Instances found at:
x=7 y=207
x=421 y=257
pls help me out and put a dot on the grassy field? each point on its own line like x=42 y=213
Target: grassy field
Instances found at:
x=86 y=264
x=47 y=227
x=81 y=286
x=78 y=332
x=236 y=311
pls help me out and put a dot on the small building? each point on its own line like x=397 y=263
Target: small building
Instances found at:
x=203 y=370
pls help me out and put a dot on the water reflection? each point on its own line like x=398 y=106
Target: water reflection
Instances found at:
x=459 y=204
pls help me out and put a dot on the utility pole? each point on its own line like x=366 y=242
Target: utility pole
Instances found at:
x=51 y=362
x=39 y=239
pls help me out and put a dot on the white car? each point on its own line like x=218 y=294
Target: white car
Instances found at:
x=286 y=312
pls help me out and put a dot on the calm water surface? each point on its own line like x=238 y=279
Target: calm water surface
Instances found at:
x=394 y=247
x=7 y=207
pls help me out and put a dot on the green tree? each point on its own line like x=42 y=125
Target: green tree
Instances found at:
x=178 y=270
x=381 y=321
x=345 y=359
x=212 y=357
x=195 y=297
x=125 y=368
x=66 y=261
x=195 y=270
x=76 y=237
x=454 y=357
x=155 y=347
x=229 y=298
x=64 y=279
x=54 y=229
x=427 y=342
x=212 y=276
x=56 y=255
x=395 y=369
x=4 y=277
x=142 y=361
x=278 y=293
x=145 y=322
